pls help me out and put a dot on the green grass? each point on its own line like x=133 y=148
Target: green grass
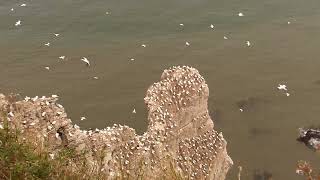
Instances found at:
x=20 y=160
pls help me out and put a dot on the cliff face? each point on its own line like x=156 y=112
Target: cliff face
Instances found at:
x=180 y=141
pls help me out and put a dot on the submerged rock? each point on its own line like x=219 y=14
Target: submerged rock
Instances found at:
x=180 y=140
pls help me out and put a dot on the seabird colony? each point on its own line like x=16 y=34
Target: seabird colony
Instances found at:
x=180 y=133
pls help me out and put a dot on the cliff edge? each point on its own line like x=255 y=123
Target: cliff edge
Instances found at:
x=180 y=141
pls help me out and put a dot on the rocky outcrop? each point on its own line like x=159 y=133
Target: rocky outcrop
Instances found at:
x=310 y=137
x=180 y=141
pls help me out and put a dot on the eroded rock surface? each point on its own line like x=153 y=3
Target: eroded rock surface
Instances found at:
x=310 y=137
x=180 y=140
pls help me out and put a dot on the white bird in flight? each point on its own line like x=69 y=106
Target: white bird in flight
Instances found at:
x=47 y=44
x=56 y=34
x=23 y=5
x=143 y=45
x=95 y=77
x=132 y=59
x=47 y=67
x=134 y=111
x=248 y=43
x=18 y=23
x=62 y=57
x=287 y=94
x=84 y=59
x=240 y=14
x=282 y=87
x=225 y=37
x=83 y=118
x=211 y=26
x=187 y=43
x=181 y=24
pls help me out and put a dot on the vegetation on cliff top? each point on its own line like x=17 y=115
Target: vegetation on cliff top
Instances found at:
x=19 y=160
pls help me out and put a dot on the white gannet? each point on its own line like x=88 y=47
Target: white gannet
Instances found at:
x=211 y=26
x=12 y=9
x=187 y=43
x=95 y=77
x=84 y=59
x=18 y=23
x=143 y=45
x=51 y=155
x=132 y=59
x=56 y=34
x=57 y=136
x=225 y=37
x=287 y=94
x=23 y=5
x=47 y=67
x=134 y=111
x=27 y=98
x=282 y=87
x=248 y=43
x=54 y=96
x=241 y=110
x=47 y=44
x=83 y=118
x=11 y=114
x=240 y=14
x=62 y=57
x=181 y=24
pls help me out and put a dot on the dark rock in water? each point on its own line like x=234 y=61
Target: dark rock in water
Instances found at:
x=262 y=175
x=310 y=137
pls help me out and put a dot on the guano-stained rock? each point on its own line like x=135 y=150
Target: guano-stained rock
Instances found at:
x=180 y=140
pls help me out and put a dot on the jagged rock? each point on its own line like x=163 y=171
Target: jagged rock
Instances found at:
x=310 y=137
x=180 y=140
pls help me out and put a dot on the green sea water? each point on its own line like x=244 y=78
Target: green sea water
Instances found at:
x=262 y=138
